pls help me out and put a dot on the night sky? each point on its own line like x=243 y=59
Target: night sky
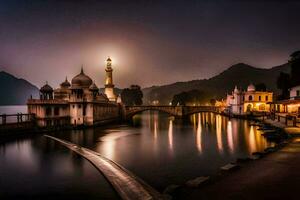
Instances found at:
x=150 y=42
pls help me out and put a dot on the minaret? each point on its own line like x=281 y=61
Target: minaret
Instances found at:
x=109 y=86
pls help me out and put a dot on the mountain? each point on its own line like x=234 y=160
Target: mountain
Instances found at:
x=218 y=86
x=15 y=91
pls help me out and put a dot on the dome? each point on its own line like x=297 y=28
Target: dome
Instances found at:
x=93 y=87
x=65 y=84
x=81 y=80
x=46 y=88
x=251 y=88
x=236 y=90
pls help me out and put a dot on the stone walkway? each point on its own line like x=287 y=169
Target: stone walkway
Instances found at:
x=124 y=182
x=275 y=176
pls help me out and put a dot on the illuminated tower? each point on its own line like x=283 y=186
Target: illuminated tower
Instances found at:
x=109 y=86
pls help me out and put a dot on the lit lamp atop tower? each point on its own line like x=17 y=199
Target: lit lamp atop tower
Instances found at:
x=109 y=86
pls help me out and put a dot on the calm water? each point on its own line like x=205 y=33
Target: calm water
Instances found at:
x=13 y=109
x=157 y=148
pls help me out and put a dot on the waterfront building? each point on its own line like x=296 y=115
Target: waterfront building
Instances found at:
x=250 y=101
x=290 y=106
x=77 y=103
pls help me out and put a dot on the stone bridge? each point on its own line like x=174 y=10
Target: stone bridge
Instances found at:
x=177 y=111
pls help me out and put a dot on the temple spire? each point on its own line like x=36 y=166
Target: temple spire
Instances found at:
x=81 y=69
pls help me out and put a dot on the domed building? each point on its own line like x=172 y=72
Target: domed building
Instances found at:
x=77 y=103
x=249 y=101
x=63 y=92
x=251 y=88
x=81 y=81
x=46 y=92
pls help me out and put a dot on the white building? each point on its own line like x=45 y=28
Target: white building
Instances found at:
x=289 y=106
x=295 y=92
x=75 y=103
x=243 y=102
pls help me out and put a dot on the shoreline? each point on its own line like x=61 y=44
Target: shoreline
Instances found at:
x=207 y=187
x=273 y=176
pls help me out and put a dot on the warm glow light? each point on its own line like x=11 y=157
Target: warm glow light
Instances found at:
x=199 y=134
x=194 y=121
x=170 y=134
x=230 y=136
x=252 y=142
x=219 y=133
x=155 y=128
x=108 y=143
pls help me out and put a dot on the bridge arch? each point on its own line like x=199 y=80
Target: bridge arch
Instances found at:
x=177 y=111
x=130 y=111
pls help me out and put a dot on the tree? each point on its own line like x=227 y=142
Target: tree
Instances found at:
x=295 y=68
x=261 y=87
x=190 y=97
x=283 y=83
x=213 y=102
x=180 y=99
x=132 y=96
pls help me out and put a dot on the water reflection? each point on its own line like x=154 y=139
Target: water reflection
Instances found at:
x=252 y=140
x=153 y=146
x=155 y=126
x=108 y=146
x=170 y=134
x=230 y=136
x=219 y=133
x=199 y=135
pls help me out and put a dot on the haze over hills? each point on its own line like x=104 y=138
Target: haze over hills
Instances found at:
x=218 y=86
x=15 y=91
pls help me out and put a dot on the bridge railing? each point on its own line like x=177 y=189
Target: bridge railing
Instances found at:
x=16 y=118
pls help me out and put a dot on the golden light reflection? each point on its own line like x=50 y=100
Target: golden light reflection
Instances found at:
x=108 y=143
x=219 y=133
x=155 y=128
x=198 y=135
x=230 y=137
x=235 y=128
x=194 y=121
x=252 y=141
x=170 y=134
x=108 y=149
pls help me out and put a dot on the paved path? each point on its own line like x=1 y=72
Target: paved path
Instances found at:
x=276 y=176
x=124 y=182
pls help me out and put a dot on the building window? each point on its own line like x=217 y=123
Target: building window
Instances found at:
x=56 y=111
x=262 y=107
x=73 y=106
x=259 y=98
x=250 y=98
x=84 y=110
x=267 y=98
x=79 y=106
x=298 y=92
x=48 y=123
x=48 y=111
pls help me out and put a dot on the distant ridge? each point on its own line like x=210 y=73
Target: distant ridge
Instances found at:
x=15 y=91
x=239 y=74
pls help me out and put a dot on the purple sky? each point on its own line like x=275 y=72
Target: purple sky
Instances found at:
x=150 y=42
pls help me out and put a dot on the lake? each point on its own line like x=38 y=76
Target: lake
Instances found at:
x=156 y=147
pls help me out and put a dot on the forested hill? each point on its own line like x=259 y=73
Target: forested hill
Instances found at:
x=15 y=91
x=216 y=87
